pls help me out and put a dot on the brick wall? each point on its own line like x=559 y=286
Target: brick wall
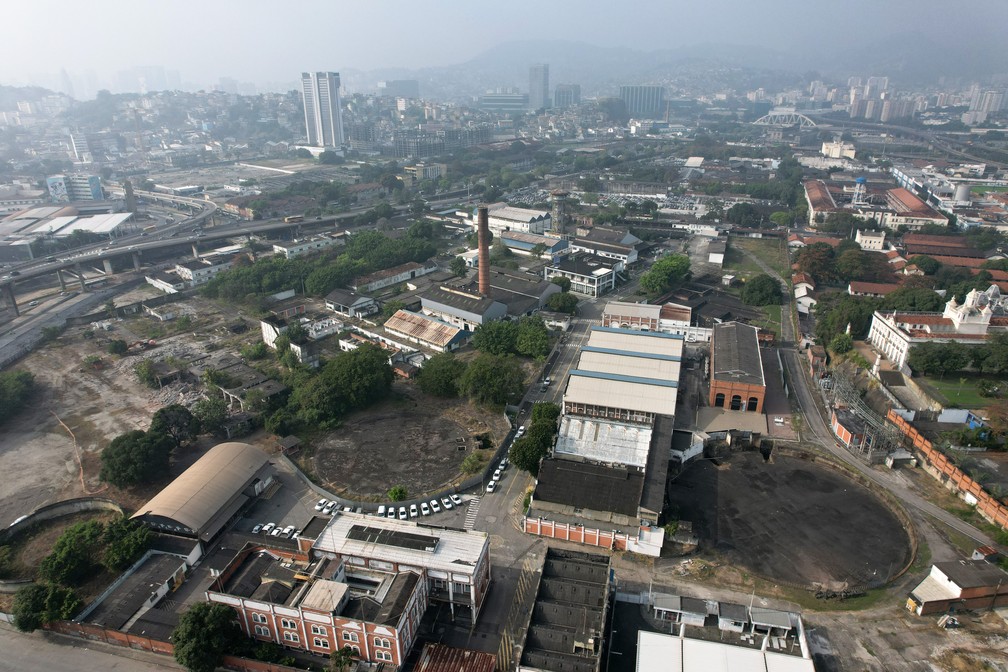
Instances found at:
x=951 y=476
x=578 y=534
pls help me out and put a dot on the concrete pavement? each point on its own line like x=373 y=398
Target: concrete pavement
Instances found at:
x=57 y=653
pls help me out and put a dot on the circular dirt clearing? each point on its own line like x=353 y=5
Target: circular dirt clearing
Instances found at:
x=792 y=520
x=412 y=441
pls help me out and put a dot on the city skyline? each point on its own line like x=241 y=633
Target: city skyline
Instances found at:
x=189 y=45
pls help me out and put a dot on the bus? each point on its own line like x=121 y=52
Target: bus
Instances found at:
x=293 y=218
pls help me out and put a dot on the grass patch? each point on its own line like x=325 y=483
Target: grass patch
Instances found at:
x=768 y=250
x=736 y=262
x=983 y=189
x=957 y=391
x=772 y=321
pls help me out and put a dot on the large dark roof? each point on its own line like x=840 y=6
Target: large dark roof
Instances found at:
x=736 y=354
x=471 y=304
x=972 y=573
x=590 y=486
x=585 y=264
x=656 y=471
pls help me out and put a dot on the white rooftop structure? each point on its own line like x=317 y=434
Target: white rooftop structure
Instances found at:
x=658 y=652
x=100 y=223
x=405 y=543
x=626 y=370
x=52 y=226
x=603 y=440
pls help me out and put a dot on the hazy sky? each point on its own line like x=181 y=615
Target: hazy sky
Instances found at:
x=260 y=41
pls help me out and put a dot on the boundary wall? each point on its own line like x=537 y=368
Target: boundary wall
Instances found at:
x=952 y=477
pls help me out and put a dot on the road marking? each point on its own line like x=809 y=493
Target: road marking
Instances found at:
x=470 y=518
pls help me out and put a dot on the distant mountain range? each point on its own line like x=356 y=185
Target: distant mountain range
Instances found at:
x=907 y=58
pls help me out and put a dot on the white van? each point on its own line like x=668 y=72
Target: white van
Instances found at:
x=381 y=510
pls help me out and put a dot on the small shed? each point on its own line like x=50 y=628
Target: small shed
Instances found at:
x=289 y=445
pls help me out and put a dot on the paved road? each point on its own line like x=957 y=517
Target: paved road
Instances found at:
x=821 y=434
x=45 y=651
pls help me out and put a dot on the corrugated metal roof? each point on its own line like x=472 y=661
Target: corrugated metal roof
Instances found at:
x=441 y=658
x=203 y=490
x=629 y=353
x=640 y=395
x=605 y=375
x=421 y=327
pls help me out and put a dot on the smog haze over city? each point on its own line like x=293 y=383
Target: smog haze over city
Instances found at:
x=468 y=336
x=261 y=43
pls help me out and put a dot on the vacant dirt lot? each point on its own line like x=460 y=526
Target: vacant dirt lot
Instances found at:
x=38 y=454
x=410 y=440
x=791 y=520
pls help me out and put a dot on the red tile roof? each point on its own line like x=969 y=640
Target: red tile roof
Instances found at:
x=858 y=287
x=799 y=278
x=904 y=201
x=819 y=196
x=930 y=239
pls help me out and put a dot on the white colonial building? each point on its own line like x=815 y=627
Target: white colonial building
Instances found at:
x=969 y=323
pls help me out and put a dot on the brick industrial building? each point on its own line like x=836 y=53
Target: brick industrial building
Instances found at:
x=736 y=373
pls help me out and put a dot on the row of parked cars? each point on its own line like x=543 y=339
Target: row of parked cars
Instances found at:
x=421 y=509
x=499 y=471
x=273 y=530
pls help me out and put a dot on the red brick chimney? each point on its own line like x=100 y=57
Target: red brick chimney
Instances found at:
x=483 y=230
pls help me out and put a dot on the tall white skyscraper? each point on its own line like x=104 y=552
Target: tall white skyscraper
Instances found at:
x=539 y=86
x=322 y=108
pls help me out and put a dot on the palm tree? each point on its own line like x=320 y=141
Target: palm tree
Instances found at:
x=340 y=659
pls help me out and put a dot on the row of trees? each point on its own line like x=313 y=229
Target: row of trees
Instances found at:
x=527 y=452
x=942 y=358
x=82 y=551
x=487 y=378
x=835 y=310
x=364 y=252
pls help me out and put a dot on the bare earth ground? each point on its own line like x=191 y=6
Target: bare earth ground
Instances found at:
x=37 y=453
x=409 y=440
x=791 y=520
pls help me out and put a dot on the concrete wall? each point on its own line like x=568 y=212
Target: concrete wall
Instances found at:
x=951 y=476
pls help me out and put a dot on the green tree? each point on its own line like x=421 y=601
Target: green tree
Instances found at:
x=781 y=218
x=397 y=493
x=841 y=343
x=16 y=388
x=537 y=250
x=75 y=554
x=40 y=603
x=565 y=283
x=496 y=338
x=135 y=457
x=532 y=339
x=211 y=412
x=817 y=260
x=850 y=265
x=545 y=411
x=665 y=274
x=146 y=373
x=925 y=263
x=472 y=463
x=390 y=308
x=492 y=379
x=125 y=541
x=177 y=423
x=562 y=302
x=206 y=632
x=329 y=157
x=440 y=374
x=761 y=290
x=458 y=267
x=117 y=346
x=913 y=298
x=528 y=451
x=340 y=659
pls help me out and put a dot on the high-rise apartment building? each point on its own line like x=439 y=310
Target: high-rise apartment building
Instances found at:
x=566 y=95
x=322 y=108
x=75 y=187
x=539 y=86
x=643 y=101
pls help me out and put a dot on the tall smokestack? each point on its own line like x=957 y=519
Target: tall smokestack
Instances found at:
x=483 y=229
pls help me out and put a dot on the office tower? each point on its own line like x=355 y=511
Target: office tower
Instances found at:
x=567 y=95
x=539 y=86
x=322 y=108
x=643 y=101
